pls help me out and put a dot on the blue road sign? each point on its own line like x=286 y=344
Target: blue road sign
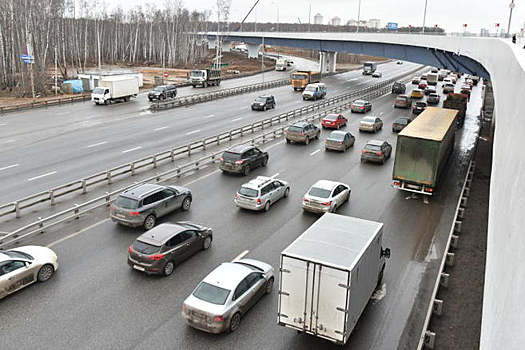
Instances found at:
x=26 y=57
x=391 y=26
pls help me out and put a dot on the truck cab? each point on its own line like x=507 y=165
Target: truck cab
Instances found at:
x=281 y=64
x=369 y=68
x=204 y=77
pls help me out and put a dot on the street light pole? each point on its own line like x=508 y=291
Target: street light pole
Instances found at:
x=358 y=16
x=425 y=16
x=262 y=58
x=511 y=6
x=309 y=14
x=276 y=4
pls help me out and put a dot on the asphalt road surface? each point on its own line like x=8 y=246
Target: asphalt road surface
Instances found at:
x=95 y=301
x=42 y=150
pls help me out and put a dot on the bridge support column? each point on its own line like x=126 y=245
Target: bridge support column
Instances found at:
x=226 y=46
x=253 y=50
x=327 y=62
x=212 y=43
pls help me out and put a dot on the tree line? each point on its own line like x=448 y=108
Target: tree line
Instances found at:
x=75 y=35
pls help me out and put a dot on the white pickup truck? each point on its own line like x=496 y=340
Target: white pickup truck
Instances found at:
x=328 y=275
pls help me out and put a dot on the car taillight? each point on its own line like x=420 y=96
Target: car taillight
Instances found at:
x=236 y=195
x=111 y=208
x=362 y=107
x=340 y=143
x=239 y=162
x=218 y=319
x=134 y=213
x=303 y=133
x=259 y=201
x=397 y=183
x=430 y=190
x=327 y=203
x=130 y=249
x=157 y=257
x=378 y=153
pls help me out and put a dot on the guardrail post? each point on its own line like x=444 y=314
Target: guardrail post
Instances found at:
x=52 y=197
x=17 y=209
x=189 y=149
x=41 y=225
x=108 y=175
x=197 y=165
x=253 y=128
x=430 y=339
x=454 y=241
x=172 y=155
x=108 y=197
x=438 y=307
x=443 y=279
x=450 y=259
x=84 y=186
x=204 y=144
x=178 y=172
x=154 y=162
x=76 y=211
x=132 y=168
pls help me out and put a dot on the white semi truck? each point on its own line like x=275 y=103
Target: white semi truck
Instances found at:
x=115 y=88
x=328 y=274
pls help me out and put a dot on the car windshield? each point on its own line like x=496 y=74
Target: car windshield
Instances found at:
x=98 y=90
x=319 y=192
x=248 y=192
x=196 y=73
x=373 y=147
x=211 y=294
x=126 y=203
x=231 y=156
x=310 y=88
x=402 y=121
x=336 y=136
x=295 y=129
x=369 y=120
x=260 y=99
x=18 y=255
x=145 y=248
x=359 y=103
x=298 y=76
x=401 y=98
x=421 y=104
x=159 y=88
x=433 y=95
x=331 y=117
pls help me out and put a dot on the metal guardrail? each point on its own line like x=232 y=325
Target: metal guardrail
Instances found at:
x=208 y=96
x=169 y=155
x=427 y=338
x=45 y=103
x=73 y=213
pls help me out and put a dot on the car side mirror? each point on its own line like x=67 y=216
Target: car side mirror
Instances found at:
x=385 y=253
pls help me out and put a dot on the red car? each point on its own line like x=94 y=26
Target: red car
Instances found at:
x=334 y=121
x=422 y=85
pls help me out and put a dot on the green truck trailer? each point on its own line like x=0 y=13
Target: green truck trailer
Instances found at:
x=422 y=150
x=458 y=102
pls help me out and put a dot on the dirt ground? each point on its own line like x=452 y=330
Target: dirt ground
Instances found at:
x=459 y=327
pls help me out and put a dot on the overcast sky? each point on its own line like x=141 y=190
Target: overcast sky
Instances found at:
x=448 y=14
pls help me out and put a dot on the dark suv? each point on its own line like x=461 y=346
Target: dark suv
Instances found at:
x=143 y=204
x=163 y=92
x=263 y=102
x=242 y=159
x=398 y=88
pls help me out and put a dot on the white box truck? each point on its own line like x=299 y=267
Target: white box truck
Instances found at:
x=432 y=78
x=281 y=64
x=115 y=88
x=328 y=274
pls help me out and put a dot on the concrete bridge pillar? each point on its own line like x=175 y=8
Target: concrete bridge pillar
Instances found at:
x=226 y=46
x=327 y=61
x=253 y=50
x=212 y=43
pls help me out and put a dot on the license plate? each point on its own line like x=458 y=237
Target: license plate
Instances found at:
x=414 y=187
x=140 y=268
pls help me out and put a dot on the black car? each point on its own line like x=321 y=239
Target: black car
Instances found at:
x=263 y=102
x=399 y=88
x=430 y=90
x=242 y=159
x=433 y=98
x=163 y=92
x=419 y=107
x=400 y=123
x=162 y=248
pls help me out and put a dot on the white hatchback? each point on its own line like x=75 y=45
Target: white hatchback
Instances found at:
x=326 y=196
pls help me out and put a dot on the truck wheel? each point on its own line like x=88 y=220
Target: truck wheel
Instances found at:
x=288 y=141
x=205 y=84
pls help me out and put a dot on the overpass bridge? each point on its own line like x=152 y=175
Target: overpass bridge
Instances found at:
x=504 y=64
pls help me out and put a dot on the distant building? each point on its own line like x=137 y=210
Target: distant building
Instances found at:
x=351 y=22
x=318 y=19
x=484 y=32
x=374 y=23
x=336 y=21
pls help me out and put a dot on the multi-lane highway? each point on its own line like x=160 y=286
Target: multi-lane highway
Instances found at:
x=95 y=301
x=43 y=149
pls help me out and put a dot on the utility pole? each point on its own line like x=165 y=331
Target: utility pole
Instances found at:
x=262 y=58
x=56 y=88
x=309 y=14
x=425 y=16
x=358 y=16
x=511 y=6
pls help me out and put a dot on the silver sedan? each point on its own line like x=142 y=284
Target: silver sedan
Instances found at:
x=326 y=196
x=227 y=293
x=23 y=266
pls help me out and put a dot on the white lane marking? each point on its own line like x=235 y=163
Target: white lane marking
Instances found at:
x=270 y=176
x=314 y=152
x=236 y=119
x=240 y=256
x=272 y=146
x=39 y=176
x=132 y=149
x=354 y=79
x=193 y=132
x=62 y=113
x=9 y=166
x=335 y=91
x=202 y=177
x=2 y=124
x=385 y=95
x=298 y=102
x=244 y=107
x=12 y=140
x=209 y=116
x=161 y=128
x=77 y=233
x=97 y=144
x=381 y=113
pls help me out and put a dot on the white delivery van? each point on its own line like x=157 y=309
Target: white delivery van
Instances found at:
x=114 y=88
x=281 y=64
x=314 y=91
x=432 y=78
x=328 y=275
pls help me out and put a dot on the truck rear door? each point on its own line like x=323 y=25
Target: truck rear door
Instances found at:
x=313 y=298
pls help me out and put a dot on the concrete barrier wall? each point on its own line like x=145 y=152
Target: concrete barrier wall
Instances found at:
x=503 y=319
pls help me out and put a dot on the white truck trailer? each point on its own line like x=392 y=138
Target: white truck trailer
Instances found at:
x=328 y=274
x=432 y=78
x=281 y=64
x=115 y=88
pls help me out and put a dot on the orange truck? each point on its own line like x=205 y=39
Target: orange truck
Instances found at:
x=301 y=78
